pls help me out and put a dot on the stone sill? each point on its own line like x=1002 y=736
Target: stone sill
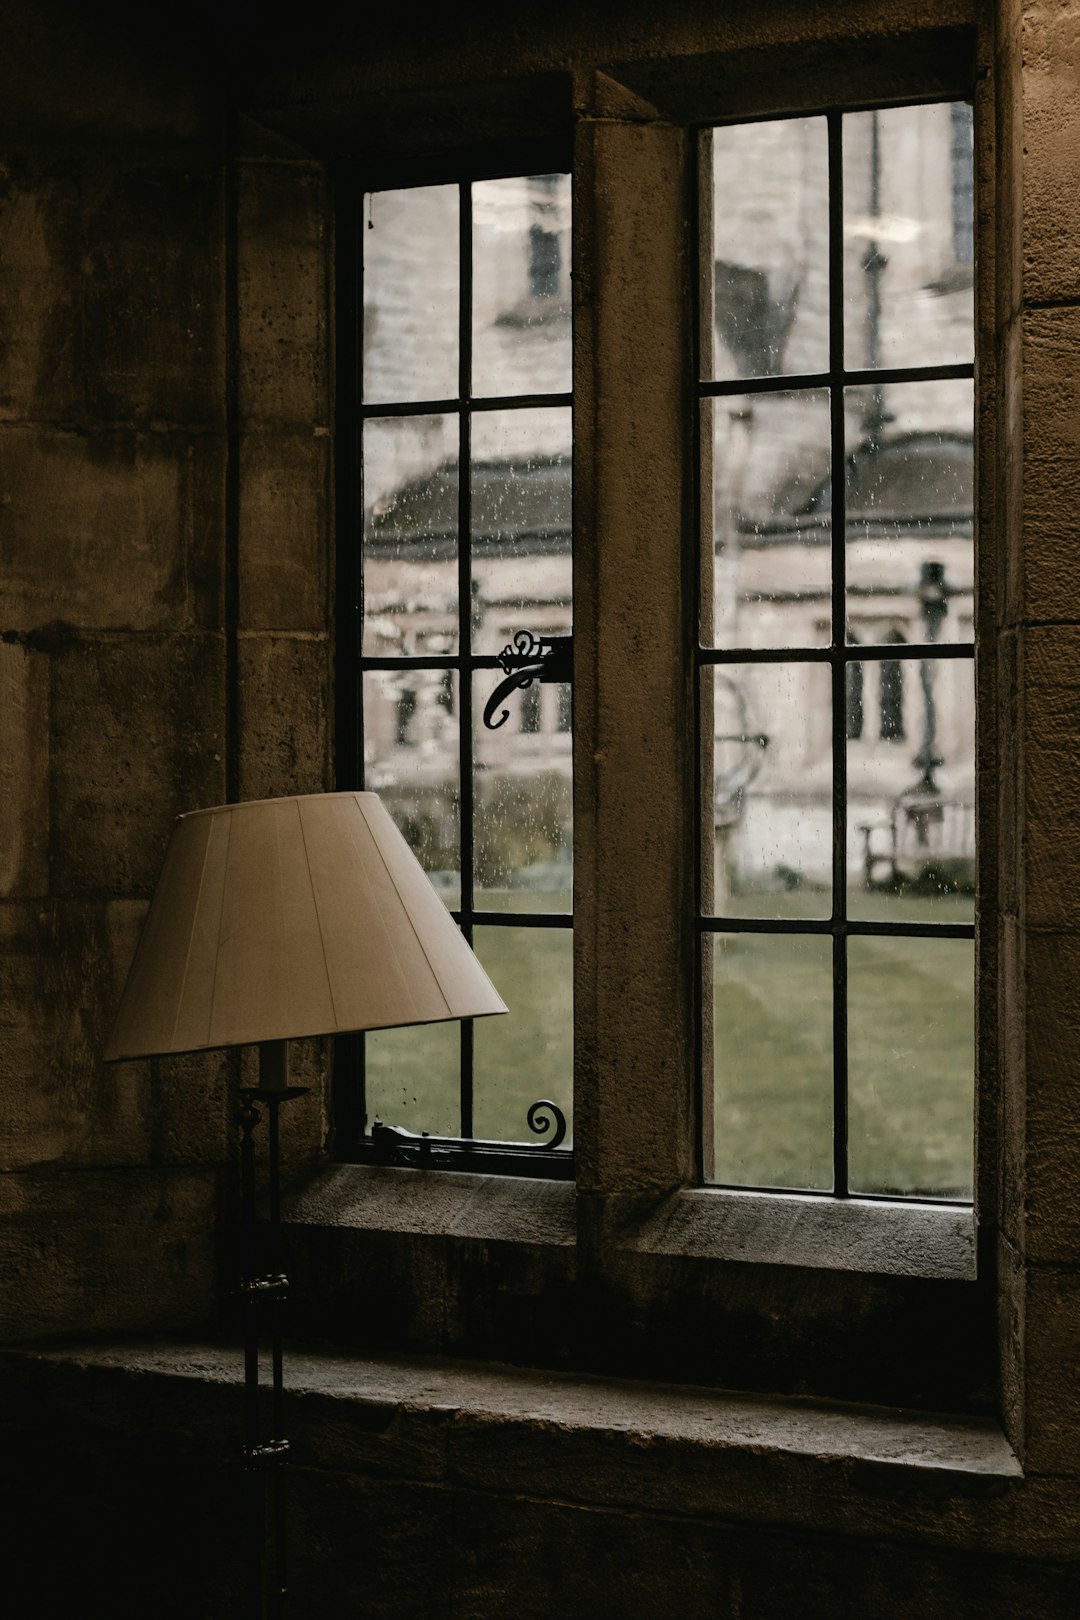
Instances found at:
x=868 y=1237
x=634 y=1445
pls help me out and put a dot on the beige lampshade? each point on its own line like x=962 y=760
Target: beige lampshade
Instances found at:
x=292 y=917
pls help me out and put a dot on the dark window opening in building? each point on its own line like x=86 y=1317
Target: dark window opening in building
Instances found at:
x=854 y=701
x=405 y=708
x=892 y=697
x=530 y=710
x=545 y=262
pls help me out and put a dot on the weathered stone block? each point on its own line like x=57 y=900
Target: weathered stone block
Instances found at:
x=1051 y=126
x=283 y=294
x=1049 y=535
x=1050 y=790
x=105 y=1251
x=285 y=707
x=40 y=375
x=1051 y=689
x=63 y=1105
x=153 y=331
x=1051 y=1172
x=64 y=969
x=284 y=539
x=1051 y=1375
x=24 y=748
x=113 y=530
x=137 y=737
x=191 y=1102
x=1052 y=866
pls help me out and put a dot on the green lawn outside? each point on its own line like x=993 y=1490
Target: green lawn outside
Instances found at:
x=412 y=1074
x=910 y=1042
x=911 y=1058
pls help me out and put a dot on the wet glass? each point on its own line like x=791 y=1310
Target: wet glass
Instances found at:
x=411 y=1078
x=770 y=249
x=527 y=1055
x=908 y=256
x=911 y=793
x=772 y=789
x=521 y=285
x=410 y=535
x=411 y=762
x=909 y=494
x=411 y=301
x=771 y=524
x=523 y=802
x=773 y=1117
x=521 y=523
x=911 y=1029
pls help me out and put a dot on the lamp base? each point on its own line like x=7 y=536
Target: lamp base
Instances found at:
x=261 y=1287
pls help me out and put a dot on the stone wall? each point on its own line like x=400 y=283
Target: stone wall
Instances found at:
x=164 y=465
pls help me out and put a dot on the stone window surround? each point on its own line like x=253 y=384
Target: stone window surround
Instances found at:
x=635 y=1228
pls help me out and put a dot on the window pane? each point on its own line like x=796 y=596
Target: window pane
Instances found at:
x=912 y=1056
x=521 y=523
x=907 y=264
x=909 y=483
x=527 y=1055
x=772 y=790
x=410 y=248
x=770 y=249
x=773 y=1059
x=521 y=285
x=523 y=810
x=911 y=793
x=412 y=1078
x=411 y=762
x=410 y=535
x=771 y=532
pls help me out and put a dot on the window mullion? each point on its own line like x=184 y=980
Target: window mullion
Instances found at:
x=634 y=756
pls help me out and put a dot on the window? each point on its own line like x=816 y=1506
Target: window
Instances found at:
x=837 y=894
x=690 y=1171
x=464 y=440
x=837 y=406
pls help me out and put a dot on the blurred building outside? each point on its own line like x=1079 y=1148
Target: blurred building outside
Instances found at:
x=909 y=724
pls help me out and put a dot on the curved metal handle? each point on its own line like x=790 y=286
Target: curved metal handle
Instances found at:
x=520 y=677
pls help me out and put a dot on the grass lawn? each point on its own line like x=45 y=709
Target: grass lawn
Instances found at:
x=910 y=1060
x=412 y=1074
x=910 y=1045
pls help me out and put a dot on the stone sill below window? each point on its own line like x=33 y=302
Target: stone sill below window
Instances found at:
x=852 y=1301
x=619 y=1444
x=869 y=1237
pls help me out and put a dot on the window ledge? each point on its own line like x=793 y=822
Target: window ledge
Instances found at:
x=645 y=1446
x=437 y=1203
x=872 y=1237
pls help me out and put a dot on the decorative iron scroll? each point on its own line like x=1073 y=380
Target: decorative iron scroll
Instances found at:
x=541 y=1125
x=526 y=659
x=419 y=1150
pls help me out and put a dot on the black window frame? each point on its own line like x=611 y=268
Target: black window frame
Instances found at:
x=355 y=1138
x=841 y=656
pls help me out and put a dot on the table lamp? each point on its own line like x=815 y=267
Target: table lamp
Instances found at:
x=271 y=920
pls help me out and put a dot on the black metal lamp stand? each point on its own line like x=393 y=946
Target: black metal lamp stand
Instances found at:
x=263 y=1291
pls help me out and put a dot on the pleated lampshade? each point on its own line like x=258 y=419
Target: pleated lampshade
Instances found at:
x=290 y=917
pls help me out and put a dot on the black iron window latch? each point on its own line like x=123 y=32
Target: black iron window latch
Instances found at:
x=529 y=658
